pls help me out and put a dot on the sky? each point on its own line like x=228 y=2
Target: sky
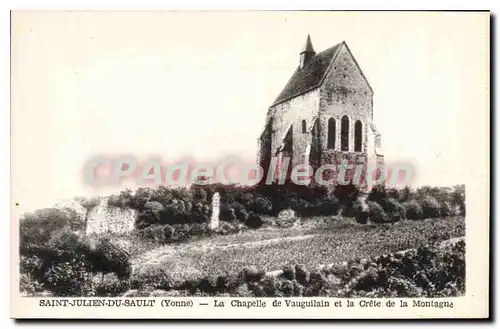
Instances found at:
x=198 y=84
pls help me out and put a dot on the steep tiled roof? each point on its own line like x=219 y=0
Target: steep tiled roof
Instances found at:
x=308 y=77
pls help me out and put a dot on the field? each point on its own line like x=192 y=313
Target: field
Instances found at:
x=272 y=248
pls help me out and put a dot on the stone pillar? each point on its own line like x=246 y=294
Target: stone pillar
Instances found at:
x=214 y=220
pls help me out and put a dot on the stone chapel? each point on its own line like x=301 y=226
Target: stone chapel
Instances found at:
x=324 y=114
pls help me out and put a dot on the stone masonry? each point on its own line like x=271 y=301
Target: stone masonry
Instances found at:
x=324 y=114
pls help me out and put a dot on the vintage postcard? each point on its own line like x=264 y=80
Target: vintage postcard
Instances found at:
x=295 y=164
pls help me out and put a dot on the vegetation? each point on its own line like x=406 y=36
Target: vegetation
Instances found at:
x=332 y=244
x=329 y=228
x=430 y=270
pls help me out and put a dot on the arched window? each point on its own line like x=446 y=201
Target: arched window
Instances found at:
x=332 y=133
x=358 y=136
x=344 y=134
x=304 y=126
x=288 y=141
x=314 y=154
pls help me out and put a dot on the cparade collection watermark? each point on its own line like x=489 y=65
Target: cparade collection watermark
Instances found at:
x=113 y=170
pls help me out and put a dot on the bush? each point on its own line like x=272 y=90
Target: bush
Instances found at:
x=260 y=205
x=240 y=212
x=445 y=209
x=394 y=210
x=288 y=273
x=228 y=228
x=254 y=220
x=302 y=207
x=152 y=278
x=360 y=212
x=301 y=274
x=227 y=214
x=37 y=228
x=70 y=278
x=150 y=214
x=174 y=213
x=159 y=233
x=198 y=229
x=376 y=213
x=430 y=207
x=413 y=210
x=346 y=195
x=271 y=287
x=328 y=206
x=109 y=285
x=252 y=274
x=28 y=286
x=123 y=200
x=110 y=258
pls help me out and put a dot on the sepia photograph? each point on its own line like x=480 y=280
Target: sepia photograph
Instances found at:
x=310 y=160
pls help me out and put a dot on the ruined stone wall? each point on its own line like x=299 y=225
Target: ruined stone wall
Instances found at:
x=104 y=218
x=345 y=92
x=292 y=112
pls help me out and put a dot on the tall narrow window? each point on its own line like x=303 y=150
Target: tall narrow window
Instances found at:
x=288 y=141
x=332 y=132
x=314 y=154
x=304 y=128
x=344 y=134
x=358 y=136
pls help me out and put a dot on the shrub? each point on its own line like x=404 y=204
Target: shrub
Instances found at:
x=37 y=228
x=413 y=210
x=240 y=212
x=158 y=233
x=301 y=274
x=228 y=228
x=257 y=289
x=327 y=206
x=70 y=278
x=174 y=213
x=227 y=214
x=445 y=209
x=360 y=212
x=199 y=194
x=430 y=207
x=208 y=285
x=393 y=209
x=260 y=205
x=150 y=215
x=288 y=273
x=65 y=247
x=302 y=207
x=140 y=197
x=123 y=200
x=110 y=258
x=254 y=220
x=197 y=229
x=378 y=194
x=376 y=213
x=29 y=286
x=271 y=287
x=110 y=285
x=152 y=278
x=346 y=194
x=252 y=274
x=222 y=283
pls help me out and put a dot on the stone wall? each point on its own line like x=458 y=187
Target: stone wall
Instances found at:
x=290 y=114
x=345 y=92
x=103 y=219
